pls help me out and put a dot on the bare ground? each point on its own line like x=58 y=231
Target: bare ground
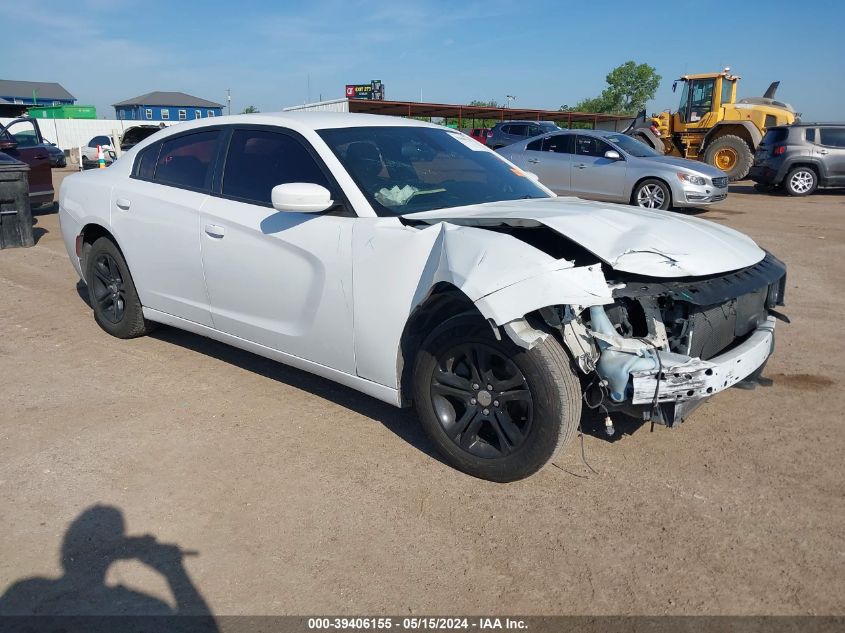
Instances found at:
x=304 y=497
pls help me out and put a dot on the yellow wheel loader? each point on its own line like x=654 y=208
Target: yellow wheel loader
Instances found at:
x=711 y=125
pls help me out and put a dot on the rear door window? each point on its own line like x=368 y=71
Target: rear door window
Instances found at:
x=258 y=160
x=591 y=146
x=832 y=136
x=810 y=134
x=517 y=129
x=186 y=161
x=560 y=143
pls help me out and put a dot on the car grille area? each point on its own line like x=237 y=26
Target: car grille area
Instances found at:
x=720 y=182
x=714 y=328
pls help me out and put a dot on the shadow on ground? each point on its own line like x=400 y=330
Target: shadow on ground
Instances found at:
x=80 y=598
x=401 y=422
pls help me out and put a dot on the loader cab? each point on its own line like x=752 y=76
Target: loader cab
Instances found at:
x=702 y=97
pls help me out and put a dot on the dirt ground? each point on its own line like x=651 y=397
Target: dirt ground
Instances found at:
x=299 y=496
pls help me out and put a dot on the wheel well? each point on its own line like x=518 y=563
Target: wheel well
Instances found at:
x=807 y=165
x=91 y=233
x=730 y=130
x=642 y=180
x=443 y=302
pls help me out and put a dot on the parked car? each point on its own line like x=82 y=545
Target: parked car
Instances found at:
x=508 y=132
x=135 y=134
x=57 y=156
x=610 y=166
x=90 y=156
x=481 y=134
x=21 y=139
x=801 y=157
x=493 y=306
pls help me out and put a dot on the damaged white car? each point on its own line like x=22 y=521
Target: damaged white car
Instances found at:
x=411 y=263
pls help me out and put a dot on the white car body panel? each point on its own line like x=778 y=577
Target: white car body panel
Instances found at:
x=648 y=242
x=282 y=280
x=332 y=295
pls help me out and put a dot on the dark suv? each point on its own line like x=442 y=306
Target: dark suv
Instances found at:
x=801 y=157
x=508 y=132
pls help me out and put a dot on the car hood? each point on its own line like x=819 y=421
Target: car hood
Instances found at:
x=629 y=239
x=691 y=165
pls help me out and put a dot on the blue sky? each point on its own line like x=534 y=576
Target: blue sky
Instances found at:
x=546 y=54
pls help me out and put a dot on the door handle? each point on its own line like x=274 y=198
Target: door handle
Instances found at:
x=533 y=160
x=213 y=230
x=123 y=203
x=580 y=166
x=823 y=151
x=40 y=157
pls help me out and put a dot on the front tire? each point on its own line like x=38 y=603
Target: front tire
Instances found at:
x=494 y=410
x=801 y=181
x=111 y=291
x=730 y=154
x=652 y=194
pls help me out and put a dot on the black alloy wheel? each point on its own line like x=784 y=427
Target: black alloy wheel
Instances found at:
x=481 y=400
x=109 y=291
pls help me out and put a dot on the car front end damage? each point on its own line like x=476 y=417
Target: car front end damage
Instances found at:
x=664 y=346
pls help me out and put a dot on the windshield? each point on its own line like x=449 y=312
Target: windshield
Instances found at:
x=412 y=169
x=631 y=146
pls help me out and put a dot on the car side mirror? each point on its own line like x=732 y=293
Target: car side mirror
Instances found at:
x=612 y=154
x=6 y=144
x=301 y=197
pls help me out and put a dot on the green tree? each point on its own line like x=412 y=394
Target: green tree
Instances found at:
x=629 y=87
x=250 y=110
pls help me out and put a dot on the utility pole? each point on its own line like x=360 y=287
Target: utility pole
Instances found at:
x=229 y=99
x=510 y=98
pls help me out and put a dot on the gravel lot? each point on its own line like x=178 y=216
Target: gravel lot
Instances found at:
x=299 y=496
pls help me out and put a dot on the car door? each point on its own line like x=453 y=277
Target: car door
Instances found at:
x=278 y=278
x=31 y=151
x=831 y=150
x=550 y=158
x=593 y=175
x=155 y=215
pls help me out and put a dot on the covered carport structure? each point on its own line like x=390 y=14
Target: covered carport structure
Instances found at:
x=467 y=115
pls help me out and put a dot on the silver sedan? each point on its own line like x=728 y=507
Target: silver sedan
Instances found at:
x=610 y=166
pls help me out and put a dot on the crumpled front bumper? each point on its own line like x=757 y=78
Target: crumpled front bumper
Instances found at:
x=684 y=380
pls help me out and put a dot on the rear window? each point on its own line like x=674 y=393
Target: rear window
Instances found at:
x=810 y=134
x=832 y=136
x=775 y=135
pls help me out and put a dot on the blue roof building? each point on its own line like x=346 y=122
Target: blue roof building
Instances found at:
x=34 y=93
x=167 y=106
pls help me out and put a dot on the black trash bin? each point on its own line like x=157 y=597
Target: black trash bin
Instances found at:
x=15 y=213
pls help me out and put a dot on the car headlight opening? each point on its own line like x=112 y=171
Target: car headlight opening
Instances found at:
x=691 y=179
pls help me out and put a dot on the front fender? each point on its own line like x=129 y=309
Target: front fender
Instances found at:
x=395 y=268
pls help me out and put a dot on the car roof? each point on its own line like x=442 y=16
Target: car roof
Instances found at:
x=808 y=124
x=314 y=120
x=526 y=121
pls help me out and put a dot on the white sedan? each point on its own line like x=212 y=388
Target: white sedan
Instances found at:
x=411 y=263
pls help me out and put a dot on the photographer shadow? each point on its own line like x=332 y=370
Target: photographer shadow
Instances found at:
x=92 y=542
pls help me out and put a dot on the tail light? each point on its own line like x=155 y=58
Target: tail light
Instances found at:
x=780 y=149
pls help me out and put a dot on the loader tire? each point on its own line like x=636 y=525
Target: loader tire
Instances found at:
x=730 y=154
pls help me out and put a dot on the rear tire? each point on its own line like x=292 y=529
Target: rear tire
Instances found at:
x=512 y=428
x=111 y=291
x=730 y=154
x=801 y=181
